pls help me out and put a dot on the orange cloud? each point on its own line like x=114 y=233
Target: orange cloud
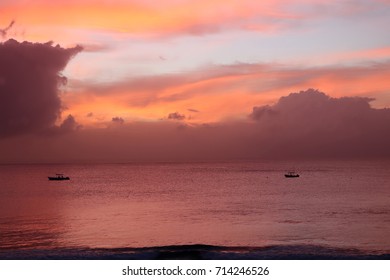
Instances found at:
x=222 y=92
x=191 y=17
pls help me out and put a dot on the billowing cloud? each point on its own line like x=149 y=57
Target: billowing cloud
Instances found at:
x=30 y=77
x=176 y=116
x=312 y=124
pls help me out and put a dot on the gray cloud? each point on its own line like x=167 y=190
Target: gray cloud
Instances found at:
x=176 y=116
x=303 y=125
x=30 y=76
x=118 y=120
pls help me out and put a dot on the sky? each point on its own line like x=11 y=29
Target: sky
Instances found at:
x=178 y=80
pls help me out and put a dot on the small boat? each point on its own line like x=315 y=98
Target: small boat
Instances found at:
x=58 y=177
x=291 y=174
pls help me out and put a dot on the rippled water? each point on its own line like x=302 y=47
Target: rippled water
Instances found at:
x=338 y=204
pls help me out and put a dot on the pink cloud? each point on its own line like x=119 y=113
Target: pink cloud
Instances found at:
x=366 y=54
x=220 y=92
x=4 y=31
x=172 y=18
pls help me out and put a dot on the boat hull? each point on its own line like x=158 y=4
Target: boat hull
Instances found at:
x=291 y=176
x=58 y=179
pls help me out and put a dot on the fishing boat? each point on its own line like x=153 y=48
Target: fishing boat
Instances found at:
x=58 y=177
x=291 y=174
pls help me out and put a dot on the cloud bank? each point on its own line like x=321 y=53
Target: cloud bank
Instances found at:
x=304 y=125
x=30 y=76
x=312 y=124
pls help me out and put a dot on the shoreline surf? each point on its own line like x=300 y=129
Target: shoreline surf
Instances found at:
x=197 y=252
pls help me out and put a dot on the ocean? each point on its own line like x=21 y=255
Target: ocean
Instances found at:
x=218 y=210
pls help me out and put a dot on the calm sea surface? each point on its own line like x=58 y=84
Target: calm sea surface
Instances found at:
x=335 y=203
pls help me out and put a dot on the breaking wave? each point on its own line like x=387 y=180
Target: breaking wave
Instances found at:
x=198 y=252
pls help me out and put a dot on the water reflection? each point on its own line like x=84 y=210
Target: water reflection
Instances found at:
x=228 y=204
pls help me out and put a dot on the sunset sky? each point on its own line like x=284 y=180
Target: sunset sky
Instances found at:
x=178 y=70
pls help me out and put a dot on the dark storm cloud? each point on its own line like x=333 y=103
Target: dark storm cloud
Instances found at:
x=30 y=76
x=312 y=124
x=176 y=116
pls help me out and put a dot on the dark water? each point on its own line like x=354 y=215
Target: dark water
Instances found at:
x=339 y=208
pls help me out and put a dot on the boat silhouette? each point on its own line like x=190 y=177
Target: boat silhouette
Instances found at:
x=291 y=174
x=58 y=177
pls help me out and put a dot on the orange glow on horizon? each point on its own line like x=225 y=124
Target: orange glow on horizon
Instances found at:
x=225 y=97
